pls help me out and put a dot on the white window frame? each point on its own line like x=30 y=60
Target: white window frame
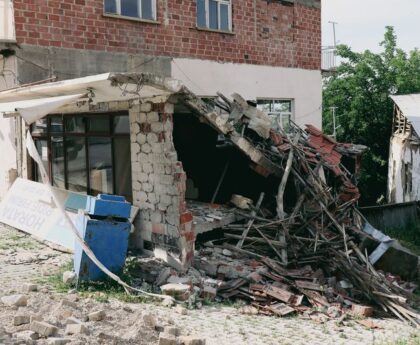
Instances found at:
x=140 y=16
x=207 y=9
x=280 y=114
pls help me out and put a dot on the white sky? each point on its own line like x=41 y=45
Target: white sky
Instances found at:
x=361 y=23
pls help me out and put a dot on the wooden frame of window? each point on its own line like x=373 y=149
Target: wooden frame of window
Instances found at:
x=118 y=11
x=87 y=134
x=219 y=4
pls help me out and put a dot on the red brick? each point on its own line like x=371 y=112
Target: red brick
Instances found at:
x=186 y=217
x=268 y=33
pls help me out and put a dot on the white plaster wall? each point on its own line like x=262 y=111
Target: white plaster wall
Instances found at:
x=7 y=128
x=7 y=28
x=205 y=78
x=401 y=152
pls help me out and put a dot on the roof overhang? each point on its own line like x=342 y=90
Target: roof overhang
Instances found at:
x=410 y=107
x=105 y=87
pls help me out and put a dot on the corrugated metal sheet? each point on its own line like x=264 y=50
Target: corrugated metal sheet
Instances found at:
x=7 y=21
x=410 y=107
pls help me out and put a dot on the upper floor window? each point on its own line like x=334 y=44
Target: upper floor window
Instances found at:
x=214 y=14
x=143 y=9
x=279 y=110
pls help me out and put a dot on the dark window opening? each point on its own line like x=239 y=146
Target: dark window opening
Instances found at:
x=86 y=153
x=205 y=157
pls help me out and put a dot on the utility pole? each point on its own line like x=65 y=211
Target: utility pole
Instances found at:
x=335 y=39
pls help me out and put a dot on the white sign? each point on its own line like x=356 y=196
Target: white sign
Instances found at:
x=28 y=206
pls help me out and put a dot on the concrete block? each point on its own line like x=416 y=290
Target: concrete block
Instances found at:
x=27 y=336
x=152 y=138
x=141 y=138
x=141 y=117
x=146 y=148
x=178 y=291
x=59 y=341
x=97 y=315
x=67 y=303
x=76 y=329
x=72 y=321
x=146 y=107
x=29 y=287
x=15 y=300
x=156 y=127
x=21 y=320
x=69 y=277
x=172 y=330
x=152 y=117
x=167 y=339
x=152 y=198
x=42 y=328
x=147 y=167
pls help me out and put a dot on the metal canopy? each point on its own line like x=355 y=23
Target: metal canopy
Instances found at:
x=410 y=107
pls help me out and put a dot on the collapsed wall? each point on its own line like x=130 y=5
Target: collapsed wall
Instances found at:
x=159 y=183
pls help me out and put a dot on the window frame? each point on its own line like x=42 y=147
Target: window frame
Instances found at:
x=118 y=14
x=49 y=134
x=207 y=16
x=280 y=114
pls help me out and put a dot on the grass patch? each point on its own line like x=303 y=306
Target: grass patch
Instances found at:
x=101 y=291
x=408 y=236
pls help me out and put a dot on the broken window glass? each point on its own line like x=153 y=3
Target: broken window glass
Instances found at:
x=57 y=150
x=110 y=6
x=147 y=9
x=129 y=8
x=201 y=13
x=74 y=124
x=76 y=164
x=279 y=111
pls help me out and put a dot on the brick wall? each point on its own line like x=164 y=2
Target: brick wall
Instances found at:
x=159 y=182
x=265 y=32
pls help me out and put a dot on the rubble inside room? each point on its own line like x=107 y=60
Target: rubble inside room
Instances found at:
x=299 y=245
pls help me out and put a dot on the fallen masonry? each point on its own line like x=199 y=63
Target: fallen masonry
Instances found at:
x=301 y=242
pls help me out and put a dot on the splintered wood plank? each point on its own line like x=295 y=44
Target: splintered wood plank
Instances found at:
x=309 y=285
x=279 y=294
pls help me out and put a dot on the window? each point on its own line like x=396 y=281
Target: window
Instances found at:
x=143 y=9
x=214 y=14
x=280 y=112
x=86 y=153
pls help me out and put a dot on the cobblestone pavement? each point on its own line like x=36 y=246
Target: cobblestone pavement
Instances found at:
x=23 y=259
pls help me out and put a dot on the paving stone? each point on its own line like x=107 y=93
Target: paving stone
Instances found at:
x=72 y=321
x=29 y=287
x=172 y=330
x=42 y=328
x=69 y=277
x=76 y=329
x=27 y=335
x=21 y=320
x=97 y=315
x=15 y=300
x=192 y=340
x=167 y=339
x=59 y=341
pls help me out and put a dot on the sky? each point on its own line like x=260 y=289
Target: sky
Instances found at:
x=361 y=23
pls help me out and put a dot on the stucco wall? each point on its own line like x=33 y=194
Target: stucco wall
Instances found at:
x=205 y=78
x=403 y=151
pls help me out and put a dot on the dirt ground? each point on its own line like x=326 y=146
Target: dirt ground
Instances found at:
x=23 y=260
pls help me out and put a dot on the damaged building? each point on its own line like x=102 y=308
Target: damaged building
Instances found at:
x=404 y=156
x=267 y=51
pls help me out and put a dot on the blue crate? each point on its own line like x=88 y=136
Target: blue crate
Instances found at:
x=108 y=206
x=108 y=240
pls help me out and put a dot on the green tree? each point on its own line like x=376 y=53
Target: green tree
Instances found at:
x=360 y=90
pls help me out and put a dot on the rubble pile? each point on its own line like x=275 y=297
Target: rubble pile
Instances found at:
x=291 y=257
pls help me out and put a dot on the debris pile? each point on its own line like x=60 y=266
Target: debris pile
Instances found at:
x=290 y=256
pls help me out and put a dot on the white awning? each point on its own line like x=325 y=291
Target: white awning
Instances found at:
x=410 y=107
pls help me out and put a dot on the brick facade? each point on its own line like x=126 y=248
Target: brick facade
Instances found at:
x=264 y=32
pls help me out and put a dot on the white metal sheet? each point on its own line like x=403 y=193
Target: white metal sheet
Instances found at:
x=410 y=107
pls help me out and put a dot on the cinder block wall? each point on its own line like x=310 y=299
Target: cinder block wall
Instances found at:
x=159 y=182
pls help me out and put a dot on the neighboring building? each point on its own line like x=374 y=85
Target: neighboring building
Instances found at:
x=404 y=153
